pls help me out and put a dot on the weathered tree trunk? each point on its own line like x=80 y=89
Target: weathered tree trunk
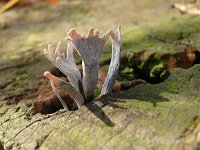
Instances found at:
x=144 y=117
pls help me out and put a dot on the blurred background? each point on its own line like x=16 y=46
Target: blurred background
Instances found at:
x=158 y=36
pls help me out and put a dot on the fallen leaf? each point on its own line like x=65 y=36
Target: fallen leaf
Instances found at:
x=52 y=1
x=189 y=8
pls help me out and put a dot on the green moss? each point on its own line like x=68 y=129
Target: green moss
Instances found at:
x=96 y=92
x=156 y=40
x=160 y=35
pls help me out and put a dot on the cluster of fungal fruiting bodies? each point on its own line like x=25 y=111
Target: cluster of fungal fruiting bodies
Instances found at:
x=82 y=88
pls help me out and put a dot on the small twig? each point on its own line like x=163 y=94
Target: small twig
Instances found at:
x=8 y=5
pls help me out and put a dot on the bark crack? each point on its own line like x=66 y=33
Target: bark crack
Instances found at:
x=30 y=124
x=41 y=141
x=3 y=112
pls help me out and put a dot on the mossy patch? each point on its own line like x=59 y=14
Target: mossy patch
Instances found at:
x=160 y=46
x=167 y=108
x=163 y=35
x=164 y=115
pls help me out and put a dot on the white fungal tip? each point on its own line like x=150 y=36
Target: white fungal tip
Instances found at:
x=49 y=46
x=68 y=38
x=47 y=74
x=58 y=60
x=71 y=31
x=45 y=50
x=91 y=32
x=96 y=33
x=51 y=77
x=57 y=51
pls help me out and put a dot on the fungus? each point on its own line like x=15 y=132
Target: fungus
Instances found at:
x=89 y=47
x=114 y=64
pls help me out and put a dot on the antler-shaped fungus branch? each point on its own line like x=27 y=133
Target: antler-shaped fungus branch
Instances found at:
x=66 y=65
x=67 y=87
x=114 y=64
x=89 y=49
